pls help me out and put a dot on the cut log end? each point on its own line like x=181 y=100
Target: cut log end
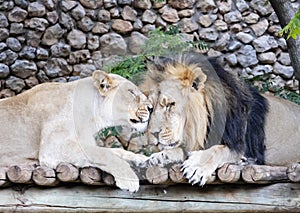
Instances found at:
x=44 y=176
x=90 y=176
x=157 y=175
x=67 y=172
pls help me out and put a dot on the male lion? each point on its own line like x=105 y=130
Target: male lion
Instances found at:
x=56 y=122
x=216 y=118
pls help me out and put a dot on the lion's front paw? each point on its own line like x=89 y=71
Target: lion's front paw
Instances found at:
x=165 y=157
x=131 y=185
x=199 y=168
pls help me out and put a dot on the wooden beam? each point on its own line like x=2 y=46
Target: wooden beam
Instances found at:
x=280 y=197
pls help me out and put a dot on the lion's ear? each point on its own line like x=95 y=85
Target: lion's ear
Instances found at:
x=104 y=82
x=199 y=81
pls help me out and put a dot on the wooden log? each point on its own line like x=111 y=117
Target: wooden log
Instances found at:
x=20 y=174
x=90 y=176
x=176 y=175
x=67 y=172
x=3 y=179
x=293 y=172
x=157 y=175
x=44 y=176
x=264 y=174
x=229 y=173
x=108 y=179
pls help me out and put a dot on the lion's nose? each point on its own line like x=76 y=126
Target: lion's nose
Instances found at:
x=150 y=109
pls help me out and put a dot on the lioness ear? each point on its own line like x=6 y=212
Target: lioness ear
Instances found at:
x=104 y=82
x=198 y=82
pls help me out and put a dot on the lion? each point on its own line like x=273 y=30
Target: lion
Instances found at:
x=203 y=112
x=56 y=122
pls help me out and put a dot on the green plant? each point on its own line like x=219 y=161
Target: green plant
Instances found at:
x=292 y=29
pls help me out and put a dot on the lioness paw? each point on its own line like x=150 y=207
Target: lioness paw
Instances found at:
x=131 y=185
x=198 y=169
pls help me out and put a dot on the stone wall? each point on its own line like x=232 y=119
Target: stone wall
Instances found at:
x=64 y=40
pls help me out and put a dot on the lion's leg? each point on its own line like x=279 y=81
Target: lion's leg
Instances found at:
x=129 y=156
x=200 y=165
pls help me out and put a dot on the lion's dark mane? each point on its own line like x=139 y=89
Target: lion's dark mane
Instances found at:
x=242 y=128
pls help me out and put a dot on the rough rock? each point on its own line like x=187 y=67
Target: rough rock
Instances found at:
x=28 y=52
x=260 y=27
x=264 y=43
x=284 y=59
x=17 y=15
x=247 y=56
x=209 y=34
x=149 y=16
x=285 y=71
x=129 y=14
x=113 y=44
x=122 y=26
x=183 y=4
x=57 y=67
x=60 y=50
x=14 y=83
x=4 y=70
x=52 y=35
x=77 y=39
x=187 y=25
x=169 y=14
x=23 y=68
x=36 y=9
x=267 y=58
x=136 y=41
x=13 y=44
x=246 y=38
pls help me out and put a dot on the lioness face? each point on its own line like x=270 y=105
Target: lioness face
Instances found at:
x=129 y=107
x=168 y=118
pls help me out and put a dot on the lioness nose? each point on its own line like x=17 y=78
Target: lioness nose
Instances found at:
x=156 y=134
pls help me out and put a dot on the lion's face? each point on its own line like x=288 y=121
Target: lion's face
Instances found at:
x=126 y=105
x=178 y=102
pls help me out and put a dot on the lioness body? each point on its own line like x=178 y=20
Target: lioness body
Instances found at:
x=282 y=132
x=57 y=122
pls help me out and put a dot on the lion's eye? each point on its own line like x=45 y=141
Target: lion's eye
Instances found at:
x=170 y=105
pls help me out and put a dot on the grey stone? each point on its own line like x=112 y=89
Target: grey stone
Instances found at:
x=260 y=28
x=2 y=46
x=220 y=25
x=91 y=4
x=206 y=5
x=100 y=28
x=113 y=44
x=17 y=15
x=103 y=16
x=36 y=9
x=13 y=44
x=158 y=4
x=244 y=37
x=59 y=80
x=97 y=59
x=49 y=4
x=77 y=39
x=169 y=14
x=186 y=13
x=145 y=4
x=261 y=70
x=222 y=42
x=115 y=12
x=158 y=22
x=236 y=28
x=33 y=37
x=247 y=56
x=147 y=28
x=57 y=67
x=285 y=71
x=4 y=70
x=110 y=3
x=231 y=59
x=16 y=29
x=31 y=81
x=264 y=43
x=233 y=17
x=93 y=42
x=209 y=34
x=284 y=58
x=124 y=2
x=60 y=50
x=85 y=24
x=84 y=70
x=6 y=93
x=23 y=68
x=53 y=34
x=187 y=25
x=183 y=4
x=3 y=20
x=28 y=52
x=136 y=42
x=68 y=5
x=224 y=6
x=15 y=84
x=242 y=5
x=6 y=5
x=42 y=77
x=282 y=43
x=79 y=56
x=39 y=24
x=52 y=17
x=78 y=12
x=66 y=21
x=273 y=18
x=263 y=8
x=267 y=58
x=73 y=78
x=251 y=18
x=122 y=26
x=138 y=24
x=149 y=16
x=42 y=54
x=274 y=29
x=21 y=3
x=8 y=57
x=207 y=20
x=129 y=14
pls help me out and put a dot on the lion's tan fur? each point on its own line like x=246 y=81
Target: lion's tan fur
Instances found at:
x=55 y=122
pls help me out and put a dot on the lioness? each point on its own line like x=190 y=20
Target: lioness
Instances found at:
x=56 y=122
x=216 y=118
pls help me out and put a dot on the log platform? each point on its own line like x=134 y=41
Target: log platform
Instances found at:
x=233 y=188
